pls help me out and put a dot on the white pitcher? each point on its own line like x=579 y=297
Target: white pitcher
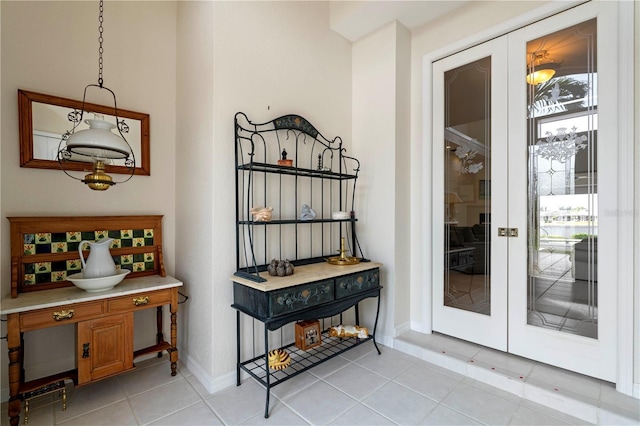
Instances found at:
x=100 y=263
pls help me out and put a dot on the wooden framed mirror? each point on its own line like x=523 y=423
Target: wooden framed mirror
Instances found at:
x=43 y=120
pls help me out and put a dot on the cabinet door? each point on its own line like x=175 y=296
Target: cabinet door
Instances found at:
x=104 y=347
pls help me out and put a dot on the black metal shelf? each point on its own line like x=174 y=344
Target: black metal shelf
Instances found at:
x=301 y=360
x=286 y=170
x=295 y=221
x=322 y=176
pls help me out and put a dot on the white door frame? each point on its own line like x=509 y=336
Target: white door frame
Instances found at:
x=626 y=182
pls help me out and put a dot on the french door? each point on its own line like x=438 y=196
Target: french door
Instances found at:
x=525 y=252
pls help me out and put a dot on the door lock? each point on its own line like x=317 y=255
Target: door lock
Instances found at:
x=507 y=232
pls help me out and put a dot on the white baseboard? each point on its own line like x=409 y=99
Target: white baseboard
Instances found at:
x=210 y=384
x=385 y=340
x=419 y=327
x=403 y=328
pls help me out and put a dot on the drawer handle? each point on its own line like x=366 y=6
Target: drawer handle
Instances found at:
x=63 y=315
x=140 y=301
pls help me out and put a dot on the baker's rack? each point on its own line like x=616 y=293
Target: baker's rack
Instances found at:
x=320 y=175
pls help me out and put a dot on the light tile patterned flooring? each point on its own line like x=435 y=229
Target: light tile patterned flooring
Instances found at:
x=359 y=387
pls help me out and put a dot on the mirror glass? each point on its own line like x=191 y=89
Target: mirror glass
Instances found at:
x=44 y=119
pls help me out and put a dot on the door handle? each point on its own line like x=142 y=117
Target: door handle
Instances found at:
x=85 y=350
x=507 y=232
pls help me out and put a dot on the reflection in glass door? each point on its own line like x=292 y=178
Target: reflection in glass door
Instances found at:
x=562 y=181
x=467 y=192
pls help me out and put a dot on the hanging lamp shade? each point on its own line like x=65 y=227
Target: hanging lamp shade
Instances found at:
x=98 y=142
x=541 y=68
x=541 y=73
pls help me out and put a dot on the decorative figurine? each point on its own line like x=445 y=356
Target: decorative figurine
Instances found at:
x=349 y=331
x=288 y=267
x=279 y=359
x=261 y=214
x=280 y=268
x=272 y=268
x=307 y=213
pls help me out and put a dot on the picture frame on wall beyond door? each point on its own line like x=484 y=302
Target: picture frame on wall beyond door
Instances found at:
x=484 y=189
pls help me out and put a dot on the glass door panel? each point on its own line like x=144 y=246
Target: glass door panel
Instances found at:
x=562 y=181
x=467 y=192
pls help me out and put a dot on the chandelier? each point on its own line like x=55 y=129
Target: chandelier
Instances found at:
x=97 y=144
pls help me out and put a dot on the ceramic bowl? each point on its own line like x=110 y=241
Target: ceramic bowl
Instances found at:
x=340 y=215
x=93 y=285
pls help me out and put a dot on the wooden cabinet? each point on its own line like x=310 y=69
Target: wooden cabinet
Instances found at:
x=44 y=253
x=104 y=347
x=104 y=330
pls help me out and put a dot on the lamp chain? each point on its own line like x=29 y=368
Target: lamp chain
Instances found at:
x=100 y=49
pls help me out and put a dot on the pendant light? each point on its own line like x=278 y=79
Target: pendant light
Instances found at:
x=97 y=144
x=541 y=69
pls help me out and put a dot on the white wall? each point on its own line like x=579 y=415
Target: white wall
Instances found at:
x=378 y=138
x=52 y=48
x=266 y=59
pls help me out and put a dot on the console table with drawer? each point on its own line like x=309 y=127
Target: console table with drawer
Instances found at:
x=44 y=250
x=314 y=291
x=281 y=165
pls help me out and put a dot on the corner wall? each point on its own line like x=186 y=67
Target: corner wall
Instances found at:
x=381 y=143
x=266 y=59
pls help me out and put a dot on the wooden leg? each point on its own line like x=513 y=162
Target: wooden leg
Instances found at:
x=173 y=352
x=15 y=368
x=159 y=335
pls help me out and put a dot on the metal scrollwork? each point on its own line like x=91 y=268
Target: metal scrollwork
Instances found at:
x=74 y=116
x=123 y=127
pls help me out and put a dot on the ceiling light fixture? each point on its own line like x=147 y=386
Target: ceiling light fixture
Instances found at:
x=541 y=68
x=97 y=144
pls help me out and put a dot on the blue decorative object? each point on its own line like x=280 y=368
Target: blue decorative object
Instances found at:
x=307 y=213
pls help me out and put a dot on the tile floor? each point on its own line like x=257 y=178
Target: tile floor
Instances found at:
x=357 y=388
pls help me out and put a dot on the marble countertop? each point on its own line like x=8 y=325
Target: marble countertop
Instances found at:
x=68 y=295
x=305 y=274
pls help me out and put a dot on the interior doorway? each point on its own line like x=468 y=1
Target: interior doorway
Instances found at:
x=520 y=183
